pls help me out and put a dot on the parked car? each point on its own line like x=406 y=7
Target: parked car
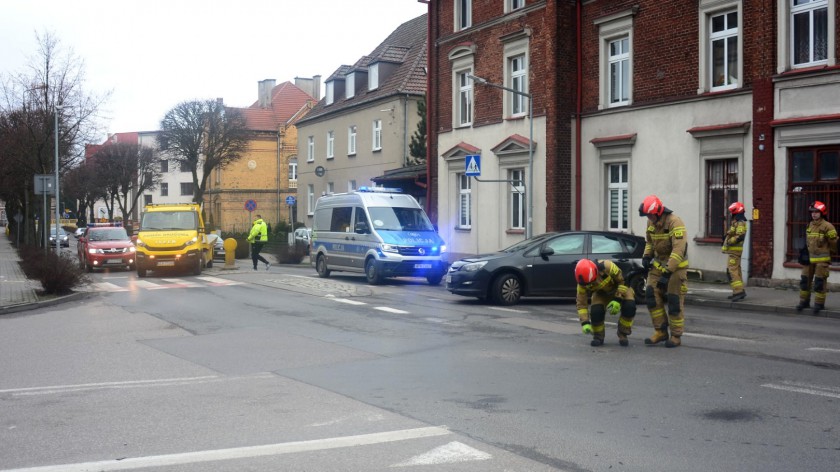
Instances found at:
x=544 y=266
x=218 y=247
x=106 y=246
x=62 y=236
x=303 y=236
x=79 y=232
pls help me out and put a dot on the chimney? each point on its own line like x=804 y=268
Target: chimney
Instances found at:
x=264 y=88
x=311 y=86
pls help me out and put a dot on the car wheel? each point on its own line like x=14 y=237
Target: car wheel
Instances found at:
x=434 y=279
x=209 y=263
x=321 y=267
x=199 y=261
x=638 y=282
x=372 y=272
x=507 y=289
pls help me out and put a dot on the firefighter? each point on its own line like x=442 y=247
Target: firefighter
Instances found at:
x=666 y=257
x=733 y=245
x=604 y=283
x=821 y=241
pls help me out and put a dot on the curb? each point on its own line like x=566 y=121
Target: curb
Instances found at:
x=75 y=296
x=769 y=309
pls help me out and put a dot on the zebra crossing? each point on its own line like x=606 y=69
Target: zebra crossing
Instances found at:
x=129 y=284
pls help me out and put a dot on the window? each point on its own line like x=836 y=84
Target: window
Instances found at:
x=377 y=135
x=330 y=144
x=465 y=99
x=293 y=169
x=373 y=76
x=164 y=165
x=464 y=201
x=809 y=32
x=517 y=198
x=608 y=245
x=147 y=199
x=350 y=85
x=518 y=82
x=185 y=166
x=617 y=197
x=619 y=77
x=570 y=244
x=164 y=189
x=723 y=48
x=330 y=92
x=615 y=77
x=813 y=174
x=463 y=14
x=310 y=149
x=330 y=188
x=511 y=5
x=721 y=191
x=351 y=185
x=351 y=140
x=310 y=199
x=186 y=188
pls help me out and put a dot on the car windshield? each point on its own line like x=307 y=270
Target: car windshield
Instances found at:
x=171 y=220
x=110 y=234
x=527 y=243
x=399 y=219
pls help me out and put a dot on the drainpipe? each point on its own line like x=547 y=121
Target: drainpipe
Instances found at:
x=405 y=131
x=430 y=113
x=279 y=144
x=578 y=107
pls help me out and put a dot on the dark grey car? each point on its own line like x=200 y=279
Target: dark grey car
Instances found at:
x=543 y=266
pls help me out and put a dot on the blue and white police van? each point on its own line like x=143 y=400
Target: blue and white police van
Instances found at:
x=377 y=231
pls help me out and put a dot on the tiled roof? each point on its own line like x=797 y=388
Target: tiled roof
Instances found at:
x=405 y=46
x=287 y=99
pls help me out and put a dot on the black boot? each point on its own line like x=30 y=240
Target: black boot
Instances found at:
x=803 y=304
x=596 y=342
x=739 y=296
x=818 y=307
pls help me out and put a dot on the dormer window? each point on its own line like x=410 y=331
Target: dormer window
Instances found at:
x=350 y=84
x=373 y=76
x=330 y=96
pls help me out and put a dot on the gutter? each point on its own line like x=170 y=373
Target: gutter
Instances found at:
x=578 y=107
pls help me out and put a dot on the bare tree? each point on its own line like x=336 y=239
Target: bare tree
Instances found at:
x=127 y=170
x=83 y=183
x=29 y=102
x=203 y=135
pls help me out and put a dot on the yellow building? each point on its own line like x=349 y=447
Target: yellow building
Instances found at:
x=266 y=176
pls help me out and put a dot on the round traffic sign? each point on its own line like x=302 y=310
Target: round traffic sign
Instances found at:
x=320 y=171
x=290 y=200
x=251 y=205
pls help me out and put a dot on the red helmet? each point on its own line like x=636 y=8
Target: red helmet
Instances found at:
x=736 y=208
x=585 y=272
x=819 y=206
x=651 y=205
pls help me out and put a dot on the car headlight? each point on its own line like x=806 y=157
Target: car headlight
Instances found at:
x=390 y=248
x=131 y=249
x=473 y=266
x=140 y=243
x=92 y=251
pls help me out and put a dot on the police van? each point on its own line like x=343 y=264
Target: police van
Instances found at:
x=377 y=231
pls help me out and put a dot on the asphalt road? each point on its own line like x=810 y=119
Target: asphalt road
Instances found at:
x=281 y=370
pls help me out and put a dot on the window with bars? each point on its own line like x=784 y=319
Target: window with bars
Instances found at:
x=721 y=191
x=813 y=174
x=617 y=197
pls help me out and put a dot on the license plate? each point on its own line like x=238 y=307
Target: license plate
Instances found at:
x=166 y=263
x=114 y=261
x=449 y=279
x=422 y=266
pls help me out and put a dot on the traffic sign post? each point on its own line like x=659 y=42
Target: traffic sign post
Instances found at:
x=472 y=165
x=291 y=201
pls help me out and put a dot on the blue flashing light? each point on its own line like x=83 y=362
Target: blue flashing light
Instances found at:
x=379 y=189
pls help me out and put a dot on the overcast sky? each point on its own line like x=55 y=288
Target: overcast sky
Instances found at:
x=153 y=54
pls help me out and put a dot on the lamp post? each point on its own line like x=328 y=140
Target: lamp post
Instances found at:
x=57 y=198
x=529 y=228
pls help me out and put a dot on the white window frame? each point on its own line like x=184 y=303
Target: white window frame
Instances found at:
x=784 y=47
x=350 y=85
x=330 y=144
x=464 y=186
x=351 y=140
x=516 y=49
x=730 y=81
x=330 y=188
x=464 y=99
x=351 y=185
x=373 y=76
x=310 y=149
x=809 y=9
x=463 y=14
x=377 y=135
x=329 y=95
x=621 y=61
x=516 y=205
x=622 y=191
x=293 y=175
x=611 y=28
x=513 y=5
x=310 y=199
x=709 y=9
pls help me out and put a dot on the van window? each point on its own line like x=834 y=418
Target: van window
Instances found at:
x=399 y=219
x=341 y=219
x=323 y=216
x=360 y=217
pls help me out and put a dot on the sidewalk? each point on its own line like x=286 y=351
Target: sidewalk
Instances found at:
x=17 y=293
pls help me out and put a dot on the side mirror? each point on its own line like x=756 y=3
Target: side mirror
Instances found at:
x=361 y=228
x=546 y=251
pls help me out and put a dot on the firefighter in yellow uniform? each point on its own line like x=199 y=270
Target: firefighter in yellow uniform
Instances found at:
x=733 y=246
x=821 y=240
x=666 y=255
x=604 y=283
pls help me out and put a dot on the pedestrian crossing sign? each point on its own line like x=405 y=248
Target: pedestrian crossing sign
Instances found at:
x=473 y=165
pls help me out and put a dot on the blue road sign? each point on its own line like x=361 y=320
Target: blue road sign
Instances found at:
x=290 y=200
x=251 y=205
x=472 y=165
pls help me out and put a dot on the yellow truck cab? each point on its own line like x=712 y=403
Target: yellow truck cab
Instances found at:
x=173 y=236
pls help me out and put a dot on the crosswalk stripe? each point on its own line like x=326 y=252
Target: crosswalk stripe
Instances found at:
x=109 y=287
x=349 y=302
x=390 y=310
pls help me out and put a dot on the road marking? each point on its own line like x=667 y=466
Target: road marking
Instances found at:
x=349 y=302
x=822 y=349
x=390 y=310
x=145 y=284
x=246 y=452
x=217 y=282
x=509 y=310
x=447 y=454
x=797 y=387
x=109 y=287
x=49 y=390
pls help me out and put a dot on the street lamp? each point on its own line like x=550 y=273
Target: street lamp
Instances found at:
x=57 y=198
x=529 y=229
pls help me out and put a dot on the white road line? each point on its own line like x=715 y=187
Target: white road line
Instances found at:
x=145 y=284
x=822 y=349
x=390 y=310
x=50 y=390
x=109 y=287
x=349 y=302
x=819 y=390
x=247 y=452
x=104 y=384
x=214 y=280
x=508 y=310
x=447 y=454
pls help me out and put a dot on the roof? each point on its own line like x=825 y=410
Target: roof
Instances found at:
x=287 y=99
x=405 y=47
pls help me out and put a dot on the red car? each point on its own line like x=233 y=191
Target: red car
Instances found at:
x=106 y=246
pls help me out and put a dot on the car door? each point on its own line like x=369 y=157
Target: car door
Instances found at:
x=554 y=274
x=609 y=246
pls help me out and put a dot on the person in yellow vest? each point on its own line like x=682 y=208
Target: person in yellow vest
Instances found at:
x=258 y=237
x=666 y=257
x=821 y=241
x=733 y=246
x=604 y=283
